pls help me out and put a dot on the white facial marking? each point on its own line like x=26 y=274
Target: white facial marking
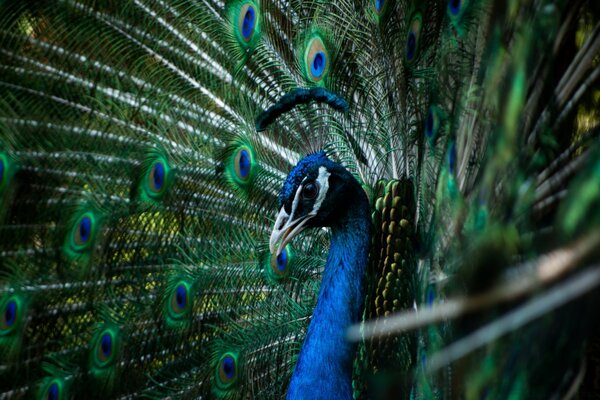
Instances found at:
x=295 y=202
x=286 y=228
x=323 y=180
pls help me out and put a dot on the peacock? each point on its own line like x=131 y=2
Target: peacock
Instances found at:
x=318 y=199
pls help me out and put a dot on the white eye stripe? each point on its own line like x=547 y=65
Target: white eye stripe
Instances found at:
x=295 y=202
x=323 y=181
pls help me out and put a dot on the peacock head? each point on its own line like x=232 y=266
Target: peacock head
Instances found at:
x=317 y=193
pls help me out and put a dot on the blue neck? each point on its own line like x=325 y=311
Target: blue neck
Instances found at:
x=324 y=367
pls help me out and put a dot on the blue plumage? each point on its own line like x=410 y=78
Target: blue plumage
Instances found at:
x=455 y=6
x=10 y=314
x=326 y=358
x=105 y=346
x=85 y=230
x=249 y=22
x=158 y=176
x=244 y=164
x=282 y=261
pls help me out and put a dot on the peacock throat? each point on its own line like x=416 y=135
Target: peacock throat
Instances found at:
x=321 y=193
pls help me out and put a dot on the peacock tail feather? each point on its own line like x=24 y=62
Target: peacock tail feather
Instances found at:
x=144 y=145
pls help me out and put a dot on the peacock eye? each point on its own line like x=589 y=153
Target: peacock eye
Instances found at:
x=243 y=165
x=412 y=41
x=227 y=371
x=181 y=296
x=105 y=348
x=10 y=317
x=179 y=300
x=316 y=59
x=247 y=21
x=83 y=230
x=279 y=263
x=381 y=7
x=53 y=391
x=157 y=177
x=10 y=314
x=310 y=191
x=456 y=7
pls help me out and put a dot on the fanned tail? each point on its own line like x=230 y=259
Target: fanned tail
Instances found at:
x=143 y=145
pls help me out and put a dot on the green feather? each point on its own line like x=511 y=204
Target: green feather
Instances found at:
x=178 y=303
x=53 y=388
x=13 y=312
x=245 y=19
x=81 y=234
x=156 y=178
x=105 y=349
x=315 y=57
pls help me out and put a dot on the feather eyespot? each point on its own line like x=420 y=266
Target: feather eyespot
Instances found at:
x=281 y=261
x=456 y=7
x=316 y=59
x=104 y=352
x=80 y=237
x=279 y=264
x=247 y=21
x=105 y=348
x=310 y=191
x=228 y=367
x=83 y=231
x=277 y=267
x=227 y=370
x=317 y=67
x=157 y=177
x=412 y=40
x=181 y=296
x=245 y=16
x=380 y=8
x=179 y=303
x=10 y=315
x=53 y=392
x=52 y=389
x=242 y=164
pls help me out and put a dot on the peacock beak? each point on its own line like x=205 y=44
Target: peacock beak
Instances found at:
x=285 y=229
